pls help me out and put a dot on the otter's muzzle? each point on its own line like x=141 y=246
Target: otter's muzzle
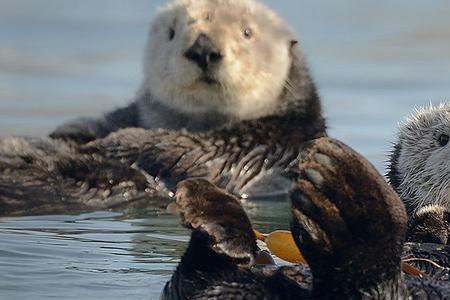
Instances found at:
x=203 y=52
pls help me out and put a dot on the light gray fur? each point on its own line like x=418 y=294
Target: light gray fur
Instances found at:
x=420 y=165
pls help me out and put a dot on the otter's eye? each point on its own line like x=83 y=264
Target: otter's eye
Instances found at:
x=171 y=33
x=248 y=33
x=443 y=140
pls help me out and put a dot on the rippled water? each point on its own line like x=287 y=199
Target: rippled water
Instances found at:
x=99 y=255
x=92 y=256
x=373 y=62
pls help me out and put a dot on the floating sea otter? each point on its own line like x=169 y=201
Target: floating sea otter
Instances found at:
x=228 y=85
x=348 y=222
x=420 y=172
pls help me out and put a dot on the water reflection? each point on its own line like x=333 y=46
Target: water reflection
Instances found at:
x=102 y=254
x=98 y=252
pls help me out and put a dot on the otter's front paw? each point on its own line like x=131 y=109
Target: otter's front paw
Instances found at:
x=80 y=131
x=348 y=222
x=219 y=215
x=430 y=224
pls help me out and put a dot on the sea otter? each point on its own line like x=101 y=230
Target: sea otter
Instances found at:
x=419 y=171
x=209 y=64
x=227 y=96
x=347 y=220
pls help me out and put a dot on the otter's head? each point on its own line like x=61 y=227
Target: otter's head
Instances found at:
x=227 y=56
x=420 y=164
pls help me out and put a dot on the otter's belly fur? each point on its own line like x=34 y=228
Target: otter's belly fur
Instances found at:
x=131 y=166
x=44 y=176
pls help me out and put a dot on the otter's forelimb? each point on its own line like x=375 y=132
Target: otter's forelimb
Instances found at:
x=84 y=130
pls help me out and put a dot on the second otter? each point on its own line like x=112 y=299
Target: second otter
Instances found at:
x=419 y=172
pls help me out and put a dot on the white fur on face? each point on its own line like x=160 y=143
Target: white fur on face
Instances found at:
x=423 y=164
x=251 y=75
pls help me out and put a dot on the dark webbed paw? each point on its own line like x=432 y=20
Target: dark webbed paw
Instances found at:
x=219 y=215
x=80 y=131
x=430 y=224
x=348 y=222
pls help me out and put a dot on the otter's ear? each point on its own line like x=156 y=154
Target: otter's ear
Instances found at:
x=293 y=43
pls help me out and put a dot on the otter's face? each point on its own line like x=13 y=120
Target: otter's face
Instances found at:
x=231 y=57
x=424 y=158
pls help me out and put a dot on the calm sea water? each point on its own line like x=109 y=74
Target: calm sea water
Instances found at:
x=373 y=62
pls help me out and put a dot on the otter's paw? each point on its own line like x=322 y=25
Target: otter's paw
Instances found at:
x=219 y=215
x=348 y=222
x=430 y=224
x=80 y=131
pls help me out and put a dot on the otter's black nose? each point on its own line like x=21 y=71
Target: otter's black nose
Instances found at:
x=203 y=52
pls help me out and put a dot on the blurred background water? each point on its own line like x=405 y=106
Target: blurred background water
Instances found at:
x=373 y=61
